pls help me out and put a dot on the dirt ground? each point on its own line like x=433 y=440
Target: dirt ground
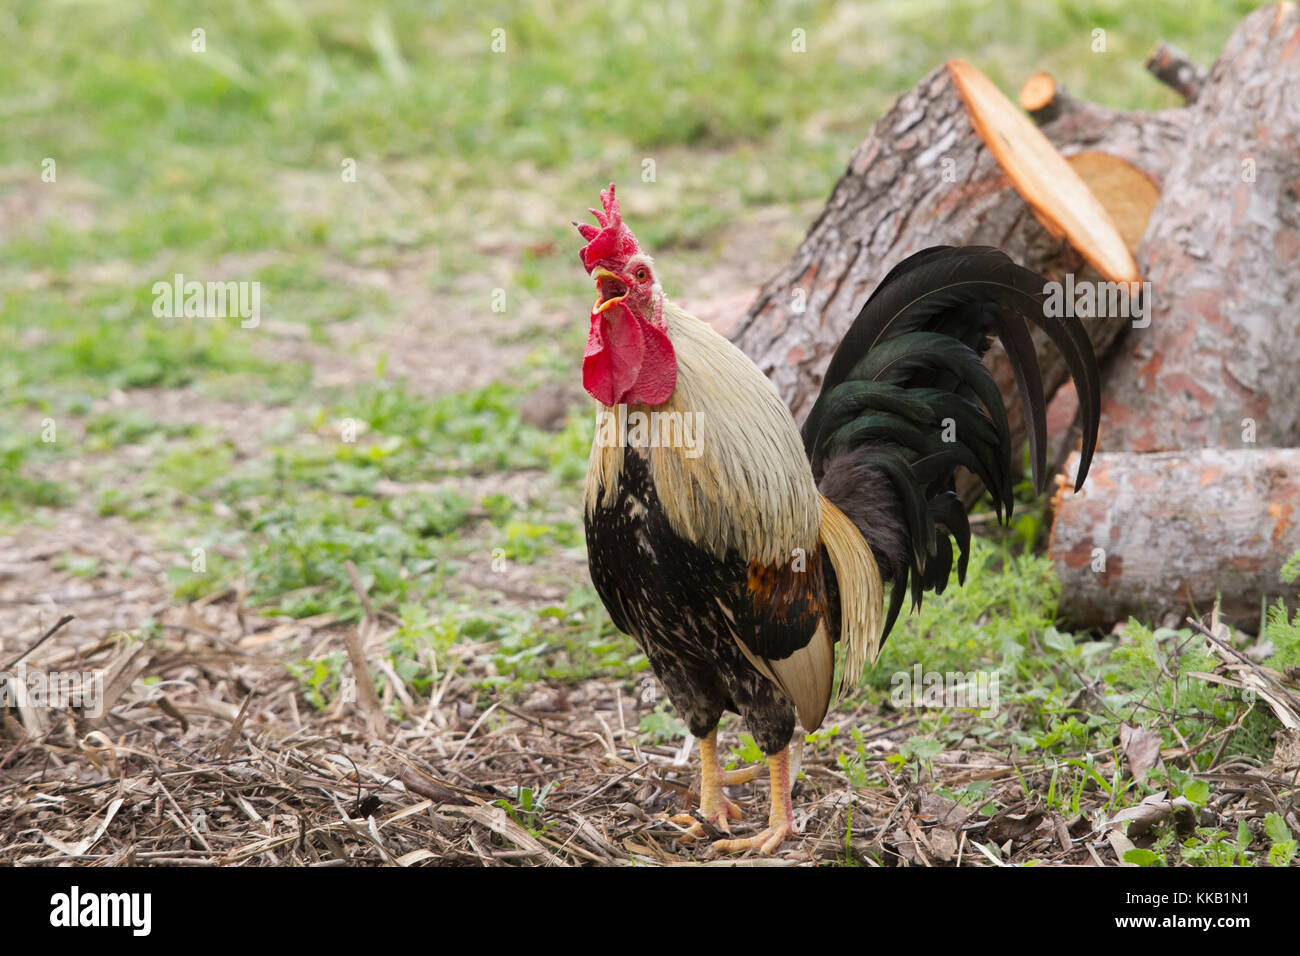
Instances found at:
x=221 y=762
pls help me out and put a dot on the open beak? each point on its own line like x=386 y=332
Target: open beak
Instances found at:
x=610 y=288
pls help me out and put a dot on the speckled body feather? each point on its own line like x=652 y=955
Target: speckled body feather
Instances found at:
x=714 y=561
x=683 y=605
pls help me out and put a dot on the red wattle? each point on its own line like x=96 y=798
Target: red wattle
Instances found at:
x=612 y=360
x=658 y=377
x=627 y=360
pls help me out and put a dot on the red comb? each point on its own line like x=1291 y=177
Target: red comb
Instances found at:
x=613 y=242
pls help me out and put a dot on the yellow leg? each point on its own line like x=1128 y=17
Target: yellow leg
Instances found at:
x=780 y=821
x=714 y=806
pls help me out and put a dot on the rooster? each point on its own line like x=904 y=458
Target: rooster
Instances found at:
x=738 y=563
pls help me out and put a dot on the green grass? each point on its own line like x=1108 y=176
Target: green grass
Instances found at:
x=306 y=504
x=19 y=491
x=1209 y=846
x=1283 y=627
x=177 y=159
x=1063 y=699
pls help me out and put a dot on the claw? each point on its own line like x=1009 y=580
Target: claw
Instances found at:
x=765 y=842
x=708 y=823
x=697 y=829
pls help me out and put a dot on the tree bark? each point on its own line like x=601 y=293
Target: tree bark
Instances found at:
x=1218 y=364
x=1155 y=534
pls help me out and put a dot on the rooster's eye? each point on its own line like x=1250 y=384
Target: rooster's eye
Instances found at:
x=641 y=275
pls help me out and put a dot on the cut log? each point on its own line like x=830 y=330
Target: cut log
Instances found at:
x=1043 y=178
x=1043 y=98
x=1217 y=365
x=1167 y=533
x=1128 y=195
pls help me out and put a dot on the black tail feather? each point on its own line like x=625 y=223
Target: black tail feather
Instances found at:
x=906 y=398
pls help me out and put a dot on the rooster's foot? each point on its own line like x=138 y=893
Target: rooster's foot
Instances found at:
x=765 y=842
x=717 y=818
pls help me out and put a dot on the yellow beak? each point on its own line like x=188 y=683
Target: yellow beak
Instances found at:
x=601 y=305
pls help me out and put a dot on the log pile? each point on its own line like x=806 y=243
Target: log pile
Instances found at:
x=1201 y=367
